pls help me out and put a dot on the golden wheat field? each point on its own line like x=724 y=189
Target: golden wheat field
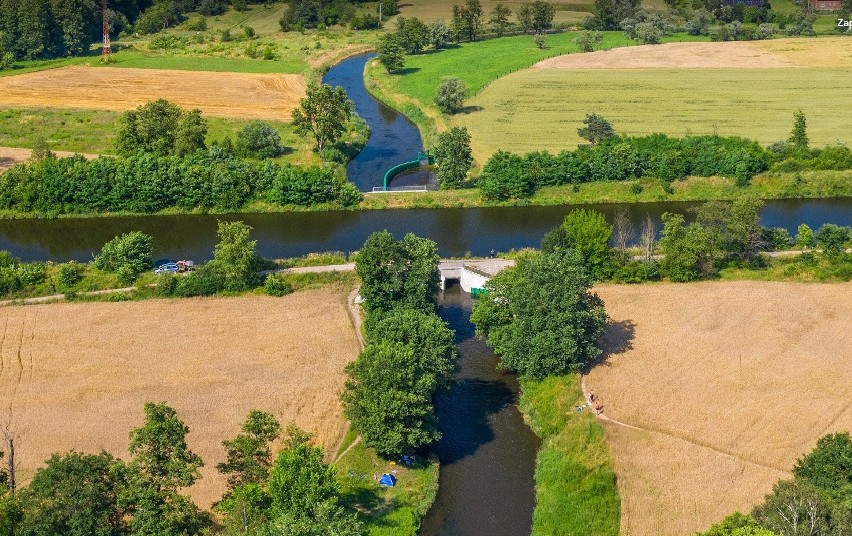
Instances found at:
x=239 y=95
x=76 y=375
x=726 y=384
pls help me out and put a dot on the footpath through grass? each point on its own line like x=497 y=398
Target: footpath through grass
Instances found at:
x=393 y=511
x=576 y=492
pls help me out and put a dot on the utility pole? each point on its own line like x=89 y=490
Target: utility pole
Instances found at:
x=107 y=48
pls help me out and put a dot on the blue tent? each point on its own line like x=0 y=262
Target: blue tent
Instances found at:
x=388 y=480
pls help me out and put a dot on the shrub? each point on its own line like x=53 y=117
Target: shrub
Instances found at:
x=128 y=255
x=166 y=285
x=450 y=96
x=504 y=177
x=32 y=273
x=198 y=24
x=204 y=281
x=69 y=273
x=259 y=139
x=276 y=286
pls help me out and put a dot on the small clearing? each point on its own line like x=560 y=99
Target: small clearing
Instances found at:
x=237 y=95
x=725 y=55
x=723 y=385
x=76 y=375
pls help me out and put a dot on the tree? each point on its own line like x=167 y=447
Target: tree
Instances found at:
x=832 y=239
x=586 y=42
x=540 y=16
x=325 y=112
x=388 y=398
x=390 y=53
x=439 y=34
x=744 y=232
x=685 y=248
x=453 y=156
x=425 y=333
x=260 y=140
x=325 y=519
x=500 y=19
x=412 y=34
x=248 y=455
x=504 y=177
x=128 y=255
x=234 y=256
x=829 y=465
x=737 y=524
x=161 y=128
x=805 y=237
x=450 y=95
x=799 y=135
x=75 y=495
x=795 y=508
x=299 y=479
x=162 y=464
x=398 y=273
x=540 y=317
x=467 y=19
x=588 y=232
x=610 y=13
x=597 y=129
x=525 y=17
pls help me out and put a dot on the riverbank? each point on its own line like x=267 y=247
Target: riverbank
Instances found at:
x=770 y=185
x=576 y=492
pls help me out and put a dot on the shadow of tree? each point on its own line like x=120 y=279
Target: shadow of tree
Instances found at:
x=617 y=339
x=406 y=70
x=470 y=109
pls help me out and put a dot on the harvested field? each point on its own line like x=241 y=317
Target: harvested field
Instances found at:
x=724 y=55
x=238 y=95
x=9 y=156
x=728 y=384
x=822 y=52
x=76 y=375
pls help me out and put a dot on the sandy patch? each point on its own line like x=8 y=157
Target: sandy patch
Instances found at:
x=253 y=96
x=725 y=55
x=76 y=376
x=730 y=383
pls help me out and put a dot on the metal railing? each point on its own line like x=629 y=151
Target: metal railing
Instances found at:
x=397 y=189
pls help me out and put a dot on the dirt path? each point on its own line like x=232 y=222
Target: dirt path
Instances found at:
x=603 y=417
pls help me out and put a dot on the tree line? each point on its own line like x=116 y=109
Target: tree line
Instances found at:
x=294 y=493
x=409 y=356
x=816 y=501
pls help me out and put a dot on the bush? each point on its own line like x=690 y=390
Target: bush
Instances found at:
x=504 y=177
x=204 y=281
x=166 y=285
x=69 y=273
x=30 y=274
x=450 y=96
x=276 y=286
x=128 y=255
x=260 y=140
x=196 y=24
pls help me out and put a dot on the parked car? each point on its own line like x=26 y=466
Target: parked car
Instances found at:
x=168 y=268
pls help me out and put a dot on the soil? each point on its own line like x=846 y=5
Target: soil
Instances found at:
x=725 y=55
x=238 y=95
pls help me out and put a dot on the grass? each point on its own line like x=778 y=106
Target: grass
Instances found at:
x=576 y=491
x=802 y=269
x=529 y=111
x=313 y=259
x=94 y=131
x=386 y=511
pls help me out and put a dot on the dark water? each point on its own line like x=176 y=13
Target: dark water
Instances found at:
x=393 y=138
x=487 y=453
x=292 y=234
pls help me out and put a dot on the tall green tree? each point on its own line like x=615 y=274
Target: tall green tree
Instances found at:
x=388 y=398
x=832 y=239
x=795 y=508
x=737 y=524
x=34 y=29
x=300 y=479
x=829 y=466
x=799 y=135
x=75 y=495
x=128 y=255
x=540 y=316
x=597 y=129
x=191 y=133
x=453 y=156
x=540 y=16
x=325 y=113
x=398 y=273
x=439 y=34
x=450 y=95
x=248 y=454
x=234 y=256
x=390 y=53
x=610 y=13
x=162 y=464
x=162 y=128
x=74 y=20
x=588 y=232
x=685 y=249
x=500 y=18
x=412 y=34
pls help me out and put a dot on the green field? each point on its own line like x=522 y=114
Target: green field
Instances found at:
x=541 y=109
x=93 y=132
x=576 y=492
x=567 y=11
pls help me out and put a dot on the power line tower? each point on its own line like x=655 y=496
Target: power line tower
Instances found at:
x=107 y=48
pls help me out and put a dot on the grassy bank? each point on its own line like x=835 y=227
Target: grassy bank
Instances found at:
x=385 y=511
x=576 y=491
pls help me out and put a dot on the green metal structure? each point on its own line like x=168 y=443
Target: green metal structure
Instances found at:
x=405 y=166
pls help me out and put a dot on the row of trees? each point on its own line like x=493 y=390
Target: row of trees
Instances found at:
x=816 y=501
x=77 y=494
x=409 y=355
x=302 y=14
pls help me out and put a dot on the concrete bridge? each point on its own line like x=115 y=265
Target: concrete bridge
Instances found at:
x=471 y=274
